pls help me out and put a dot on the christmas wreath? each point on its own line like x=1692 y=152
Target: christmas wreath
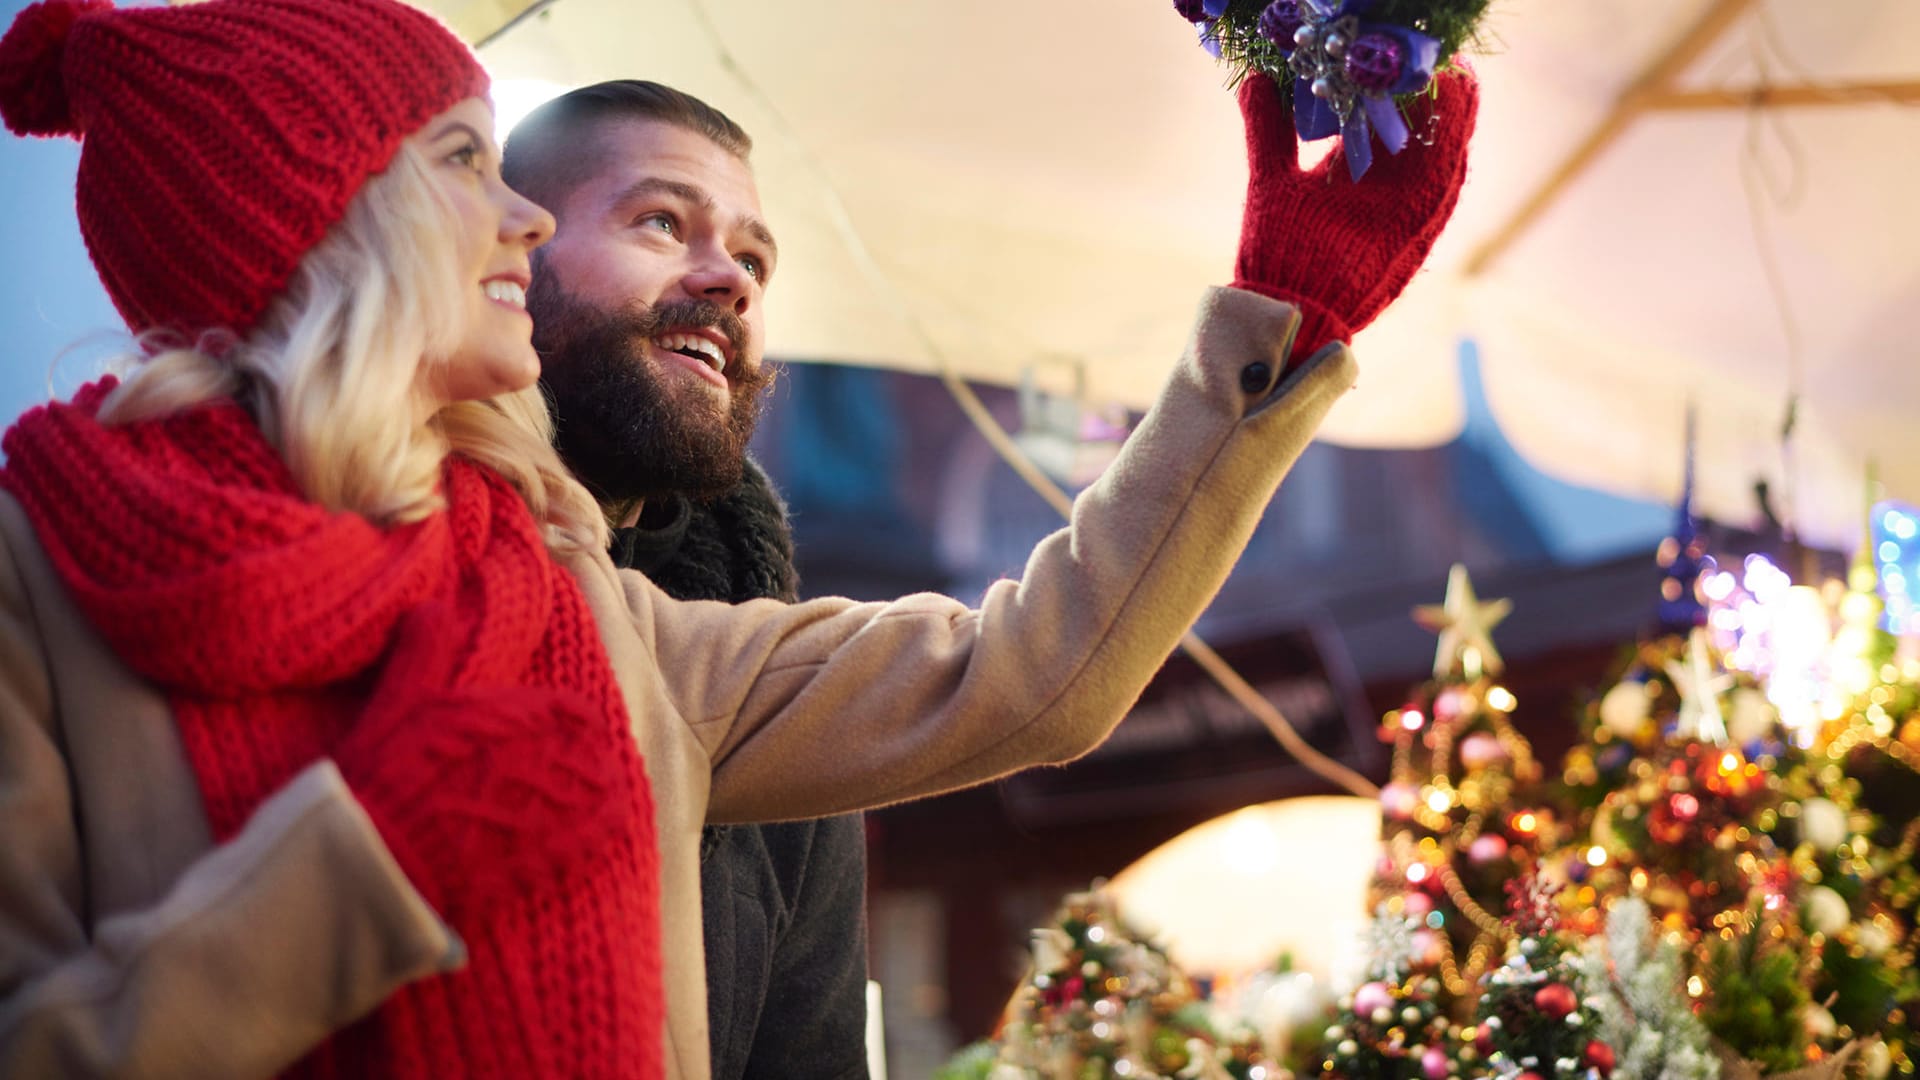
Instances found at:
x=1346 y=64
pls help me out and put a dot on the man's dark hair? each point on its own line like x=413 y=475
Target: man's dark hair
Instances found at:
x=553 y=150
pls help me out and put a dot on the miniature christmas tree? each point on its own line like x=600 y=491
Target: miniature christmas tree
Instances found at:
x=1103 y=1002
x=1532 y=1023
x=1393 y=1025
x=1458 y=814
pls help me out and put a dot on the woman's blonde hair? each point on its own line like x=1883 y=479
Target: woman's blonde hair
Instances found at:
x=333 y=373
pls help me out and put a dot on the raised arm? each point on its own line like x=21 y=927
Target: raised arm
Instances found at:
x=830 y=706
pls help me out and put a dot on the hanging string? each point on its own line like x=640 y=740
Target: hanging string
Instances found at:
x=1784 y=195
x=976 y=412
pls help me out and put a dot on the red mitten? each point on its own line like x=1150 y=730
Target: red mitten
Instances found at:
x=1338 y=249
x=476 y=790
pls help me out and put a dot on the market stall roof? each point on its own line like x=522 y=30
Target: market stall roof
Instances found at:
x=1724 y=215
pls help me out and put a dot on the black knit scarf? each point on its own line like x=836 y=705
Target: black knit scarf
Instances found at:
x=735 y=548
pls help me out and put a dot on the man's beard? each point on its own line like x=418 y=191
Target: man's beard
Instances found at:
x=618 y=423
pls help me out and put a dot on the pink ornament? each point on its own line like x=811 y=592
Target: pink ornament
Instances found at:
x=1426 y=947
x=1434 y=1064
x=1486 y=848
x=1416 y=904
x=1397 y=800
x=1372 y=997
x=1480 y=750
x=1448 y=706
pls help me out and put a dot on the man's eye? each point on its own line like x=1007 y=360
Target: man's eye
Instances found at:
x=754 y=267
x=662 y=222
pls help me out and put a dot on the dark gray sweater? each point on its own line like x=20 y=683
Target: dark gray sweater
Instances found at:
x=784 y=905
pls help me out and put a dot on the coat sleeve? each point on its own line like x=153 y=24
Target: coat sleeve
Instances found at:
x=260 y=949
x=831 y=706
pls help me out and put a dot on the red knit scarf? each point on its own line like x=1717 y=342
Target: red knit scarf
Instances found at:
x=264 y=619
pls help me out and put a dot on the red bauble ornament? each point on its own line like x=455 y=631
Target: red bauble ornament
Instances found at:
x=1529 y=1076
x=1556 y=1000
x=1599 y=1056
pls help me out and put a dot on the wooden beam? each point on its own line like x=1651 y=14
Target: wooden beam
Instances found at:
x=1898 y=93
x=1657 y=78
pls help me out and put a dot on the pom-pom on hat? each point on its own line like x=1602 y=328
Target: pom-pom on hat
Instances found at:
x=220 y=140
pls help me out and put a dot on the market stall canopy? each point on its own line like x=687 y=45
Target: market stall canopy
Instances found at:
x=1724 y=215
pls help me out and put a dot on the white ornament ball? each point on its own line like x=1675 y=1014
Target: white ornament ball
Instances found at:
x=1750 y=716
x=1873 y=939
x=1820 y=1023
x=1876 y=1061
x=1624 y=709
x=1823 y=824
x=1825 y=912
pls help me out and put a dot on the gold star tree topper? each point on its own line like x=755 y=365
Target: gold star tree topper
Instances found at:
x=1465 y=624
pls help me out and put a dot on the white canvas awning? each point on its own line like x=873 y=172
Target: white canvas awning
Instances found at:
x=1060 y=180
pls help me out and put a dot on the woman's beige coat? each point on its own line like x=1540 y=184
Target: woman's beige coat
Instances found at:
x=129 y=946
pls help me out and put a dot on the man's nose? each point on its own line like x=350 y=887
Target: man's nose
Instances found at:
x=721 y=279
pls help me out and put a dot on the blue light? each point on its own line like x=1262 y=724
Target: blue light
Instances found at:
x=1894 y=532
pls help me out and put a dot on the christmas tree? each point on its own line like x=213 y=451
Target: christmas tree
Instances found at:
x=1459 y=813
x=1532 y=1023
x=1104 y=1002
x=1394 y=1026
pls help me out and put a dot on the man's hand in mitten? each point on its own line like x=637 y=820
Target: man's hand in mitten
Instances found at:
x=477 y=791
x=1341 y=249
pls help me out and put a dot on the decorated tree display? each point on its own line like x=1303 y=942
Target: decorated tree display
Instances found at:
x=1103 y=1002
x=1532 y=1022
x=1460 y=813
x=1394 y=1025
x=1720 y=881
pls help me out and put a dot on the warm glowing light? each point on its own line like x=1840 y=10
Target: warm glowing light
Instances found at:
x=1525 y=822
x=1411 y=719
x=1730 y=763
x=1502 y=699
x=1251 y=846
x=513 y=99
x=1439 y=802
x=1596 y=856
x=1417 y=873
x=1695 y=986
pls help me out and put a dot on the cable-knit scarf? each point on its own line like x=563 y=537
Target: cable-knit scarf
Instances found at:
x=264 y=619
x=735 y=548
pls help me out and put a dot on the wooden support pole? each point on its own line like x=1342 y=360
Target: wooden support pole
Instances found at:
x=1765 y=97
x=1657 y=78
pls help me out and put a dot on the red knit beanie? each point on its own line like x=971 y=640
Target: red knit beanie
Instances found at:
x=220 y=140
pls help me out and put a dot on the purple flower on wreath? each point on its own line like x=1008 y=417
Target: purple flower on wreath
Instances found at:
x=1200 y=10
x=1347 y=72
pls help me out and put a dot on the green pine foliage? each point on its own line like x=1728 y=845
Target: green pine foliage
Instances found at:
x=1531 y=1016
x=1455 y=24
x=1755 y=998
